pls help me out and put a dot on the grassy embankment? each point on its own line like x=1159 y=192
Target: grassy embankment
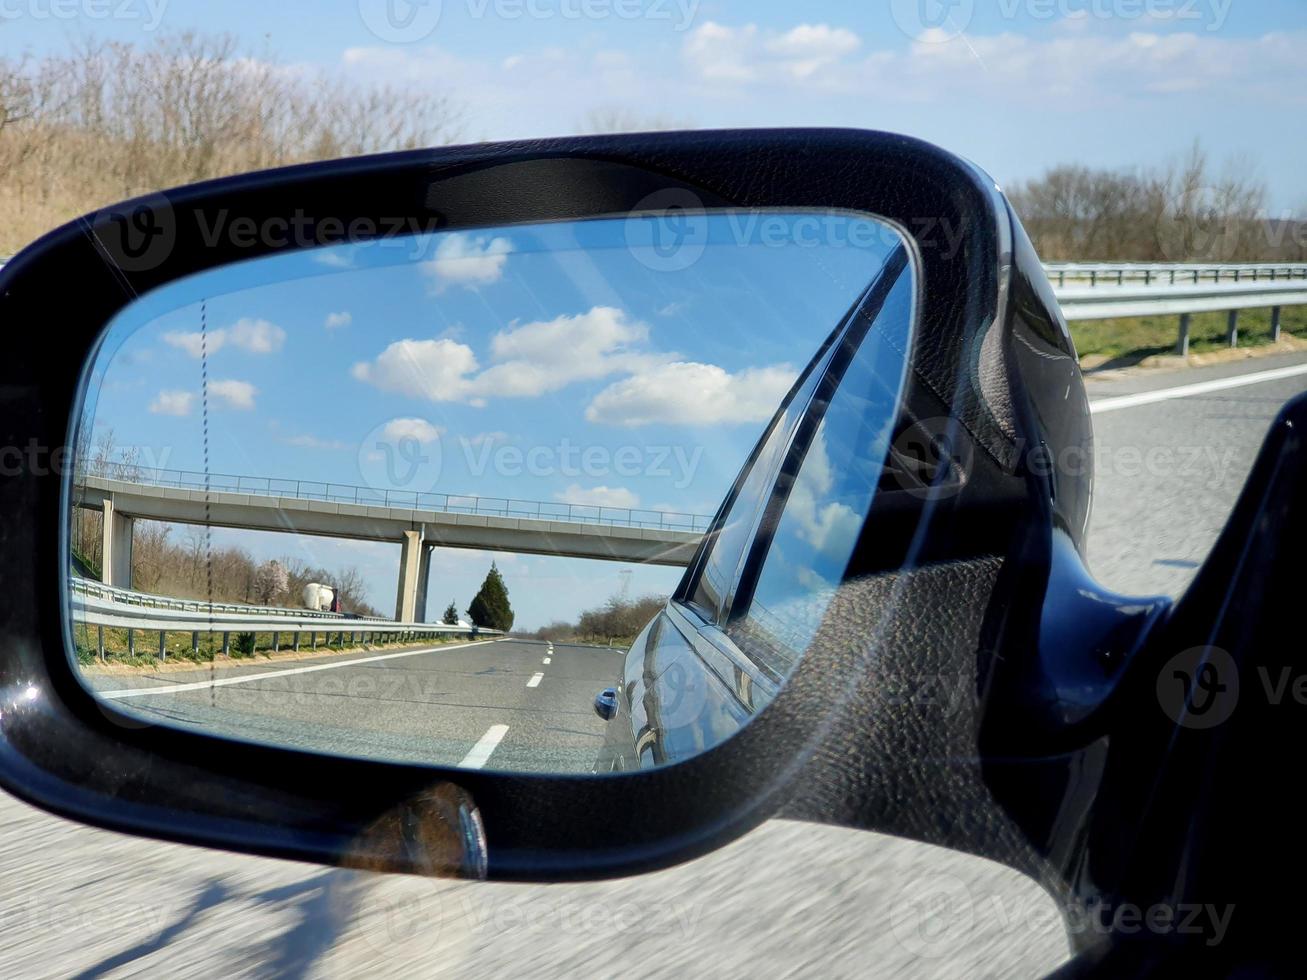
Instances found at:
x=1127 y=341
x=244 y=646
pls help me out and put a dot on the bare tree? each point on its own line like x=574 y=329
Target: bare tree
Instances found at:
x=271 y=584
x=111 y=120
x=1183 y=212
x=618 y=119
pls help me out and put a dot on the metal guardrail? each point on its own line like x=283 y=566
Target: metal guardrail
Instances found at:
x=1170 y=274
x=105 y=607
x=1126 y=290
x=146 y=600
x=409 y=499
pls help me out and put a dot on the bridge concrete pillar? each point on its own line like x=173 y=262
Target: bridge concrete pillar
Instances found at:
x=410 y=560
x=424 y=582
x=116 y=547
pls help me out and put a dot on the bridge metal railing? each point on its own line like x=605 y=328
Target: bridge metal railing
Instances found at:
x=102 y=607
x=448 y=503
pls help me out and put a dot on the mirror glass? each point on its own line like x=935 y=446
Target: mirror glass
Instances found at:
x=561 y=497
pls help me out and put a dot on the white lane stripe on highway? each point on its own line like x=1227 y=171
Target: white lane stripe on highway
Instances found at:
x=1199 y=388
x=488 y=742
x=545 y=661
x=535 y=680
x=140 y=692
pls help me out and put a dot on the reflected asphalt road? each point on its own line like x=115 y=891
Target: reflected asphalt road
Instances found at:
x=497 y=704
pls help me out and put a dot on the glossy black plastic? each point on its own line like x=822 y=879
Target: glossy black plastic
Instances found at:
x=971 y=686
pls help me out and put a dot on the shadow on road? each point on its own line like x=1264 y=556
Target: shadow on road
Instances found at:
x=322 y=905
x=213 y=895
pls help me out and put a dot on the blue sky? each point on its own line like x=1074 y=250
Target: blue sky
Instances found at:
x=570 y=363
x=1014 y=84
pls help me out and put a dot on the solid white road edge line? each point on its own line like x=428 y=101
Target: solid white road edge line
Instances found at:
x=140 y=692
x=1198 y=388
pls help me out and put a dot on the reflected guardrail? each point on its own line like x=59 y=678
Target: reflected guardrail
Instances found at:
x=107 y=607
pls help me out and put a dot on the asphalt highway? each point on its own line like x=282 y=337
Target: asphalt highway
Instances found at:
x=521 y=705
x=789 y=899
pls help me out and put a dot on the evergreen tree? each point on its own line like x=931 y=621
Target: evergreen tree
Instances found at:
x=451 y=615
x=490 y=608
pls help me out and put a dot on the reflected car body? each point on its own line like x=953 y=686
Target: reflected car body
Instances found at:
x=685 y=688
x=723 y=646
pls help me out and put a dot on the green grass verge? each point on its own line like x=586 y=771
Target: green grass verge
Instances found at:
x=1138 y=337
x=258 y=646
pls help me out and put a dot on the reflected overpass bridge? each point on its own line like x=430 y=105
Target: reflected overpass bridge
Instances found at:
x=418 y=522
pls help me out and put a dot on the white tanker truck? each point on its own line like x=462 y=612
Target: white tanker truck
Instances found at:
x=323 y=598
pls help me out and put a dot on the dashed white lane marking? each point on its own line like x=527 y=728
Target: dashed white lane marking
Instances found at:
x=536 y=678
x=140 y=692
x=1199 y=388
x=546 y=661
x=487 y=744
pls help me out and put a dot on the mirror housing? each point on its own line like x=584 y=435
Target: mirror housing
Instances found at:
x=890 y=719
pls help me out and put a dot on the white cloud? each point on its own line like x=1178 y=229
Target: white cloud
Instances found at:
x=528 y=360
x=467 y=260
x=746 y=54
x=689 y=393
x=434 y=370
x=810 y=47
x=1044 y=69
x=176 y=403
x=233 y=394
x=825 y=523
x=419 y=430
x=335 y=321
x=255 y=336
x=599 y=497
x=193 y=343
x=721 y=53
x=547 y=355
x=333 y=258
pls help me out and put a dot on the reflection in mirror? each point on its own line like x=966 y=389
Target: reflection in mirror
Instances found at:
x=565 y=497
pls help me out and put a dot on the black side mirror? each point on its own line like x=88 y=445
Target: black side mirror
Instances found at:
x=961 y=656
